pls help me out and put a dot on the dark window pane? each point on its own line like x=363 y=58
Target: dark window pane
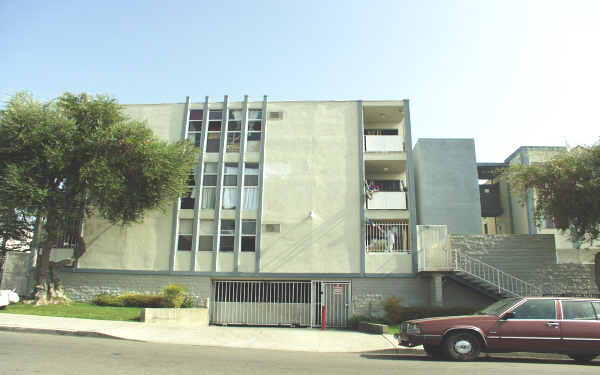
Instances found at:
x=205 y=243
x=196 y=138
x=579 y=310
x=215 y=114
x=187 y=203
x=184 y=243
x=195 y=126
x=210 y=180
x=235 y=114
x=226 y=243
x=227 y=226
x=191 y=181
x=234 y=126
x=229 y=180
x=213 y=142
x=250 y=180
x=253 y=136
x=248 y=226
x=536 y=309
x=254 y=126
x=249 y=243
x=214 y=126
x=196 y=114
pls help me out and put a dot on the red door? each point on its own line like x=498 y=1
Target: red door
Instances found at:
x=580 y=327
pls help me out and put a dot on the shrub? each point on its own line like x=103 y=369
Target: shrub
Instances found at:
x=188 y=302
x=107 y=300
x=394 y=312
x=174 y=294
x=144 y=300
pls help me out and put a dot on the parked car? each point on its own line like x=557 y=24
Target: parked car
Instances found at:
x=529 y=324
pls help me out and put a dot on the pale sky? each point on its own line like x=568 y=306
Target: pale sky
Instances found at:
x=506 y=73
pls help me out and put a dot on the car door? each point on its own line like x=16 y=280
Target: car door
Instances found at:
x=533 y=327
x=580 y=327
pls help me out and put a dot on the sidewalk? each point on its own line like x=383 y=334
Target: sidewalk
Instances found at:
x=293 y=339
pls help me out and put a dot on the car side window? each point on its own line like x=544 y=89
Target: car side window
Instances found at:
x=579 y=310
x=596 y=306
x=536 y=309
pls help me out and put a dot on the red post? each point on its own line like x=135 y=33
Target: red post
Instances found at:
x=323 y=317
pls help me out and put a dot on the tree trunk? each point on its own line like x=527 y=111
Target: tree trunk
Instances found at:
x=597 y=269
x=45 y=291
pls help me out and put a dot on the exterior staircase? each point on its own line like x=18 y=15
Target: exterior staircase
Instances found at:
x=488 y=279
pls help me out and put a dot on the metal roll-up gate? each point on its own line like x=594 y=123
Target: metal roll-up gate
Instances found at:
x=280 y=303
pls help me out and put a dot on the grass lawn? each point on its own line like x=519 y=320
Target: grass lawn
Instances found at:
x=77 y=310
x=393 y=329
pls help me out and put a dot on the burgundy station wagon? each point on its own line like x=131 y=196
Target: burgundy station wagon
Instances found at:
x=531 y=324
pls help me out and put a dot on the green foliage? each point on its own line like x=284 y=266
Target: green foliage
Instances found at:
x=394 y=311
x=80 y=155
x=566 y=188
x=173 y=296
x=188 y=302
x=76 y=310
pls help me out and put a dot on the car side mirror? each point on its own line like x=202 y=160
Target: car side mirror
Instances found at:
x=508 y=315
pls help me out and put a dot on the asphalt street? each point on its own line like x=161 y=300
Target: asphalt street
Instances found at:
x=28 y=353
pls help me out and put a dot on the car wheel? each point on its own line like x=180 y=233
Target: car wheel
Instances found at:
x=583 y=358
x=434 y=351
x=462 y=346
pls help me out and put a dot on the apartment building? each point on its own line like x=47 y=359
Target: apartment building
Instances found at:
x=292 y=206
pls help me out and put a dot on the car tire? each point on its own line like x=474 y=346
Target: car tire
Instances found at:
x=434 y=351
x=462 y=346
x=583 y=358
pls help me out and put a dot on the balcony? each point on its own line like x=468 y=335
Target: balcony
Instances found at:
x=387 y=200
x=384 y=143
x=387 y=236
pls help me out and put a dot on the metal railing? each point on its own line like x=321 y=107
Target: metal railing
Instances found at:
x=503 y=282
x=387 y=236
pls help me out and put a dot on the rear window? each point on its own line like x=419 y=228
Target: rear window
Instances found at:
x=581 y=310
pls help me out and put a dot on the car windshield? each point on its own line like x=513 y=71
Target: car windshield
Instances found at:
x=498 y=307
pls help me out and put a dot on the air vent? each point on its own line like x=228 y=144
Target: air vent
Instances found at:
x=272 y=228
x=275 y=115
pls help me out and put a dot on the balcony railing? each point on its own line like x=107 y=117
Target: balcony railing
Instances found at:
x=387 y=236
x=384 y=143
x=387 y=200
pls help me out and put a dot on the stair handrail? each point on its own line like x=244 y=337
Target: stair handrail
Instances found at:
x=505 y=282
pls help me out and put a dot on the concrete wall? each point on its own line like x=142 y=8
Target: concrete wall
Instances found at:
x=16 y=273
x=447 y=185
x=311 y=164
x=457 y=295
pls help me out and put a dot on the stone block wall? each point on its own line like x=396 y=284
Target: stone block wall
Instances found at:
x=83 y=286
x=369 y=293
x=518 y=255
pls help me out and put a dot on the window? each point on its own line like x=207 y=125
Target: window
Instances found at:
x=387 y=185
x=213 y=135
x=209 y=187
x=184 y=239
x=230 y=189
x=381 y=131
x=205 y=239
x=227 y=233
x=234 y=127
x=195 y=126
x=249 y=235
x=536 y=309
x=251 y=186
x=579 y=310
x=254 y=130
x=188 y=201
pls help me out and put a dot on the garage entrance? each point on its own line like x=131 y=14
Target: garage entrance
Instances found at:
x=295 y=303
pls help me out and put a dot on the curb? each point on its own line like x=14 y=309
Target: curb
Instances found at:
x=62 y=332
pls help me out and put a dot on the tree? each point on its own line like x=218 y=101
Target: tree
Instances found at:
x=78 y=156
x=567 y=188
